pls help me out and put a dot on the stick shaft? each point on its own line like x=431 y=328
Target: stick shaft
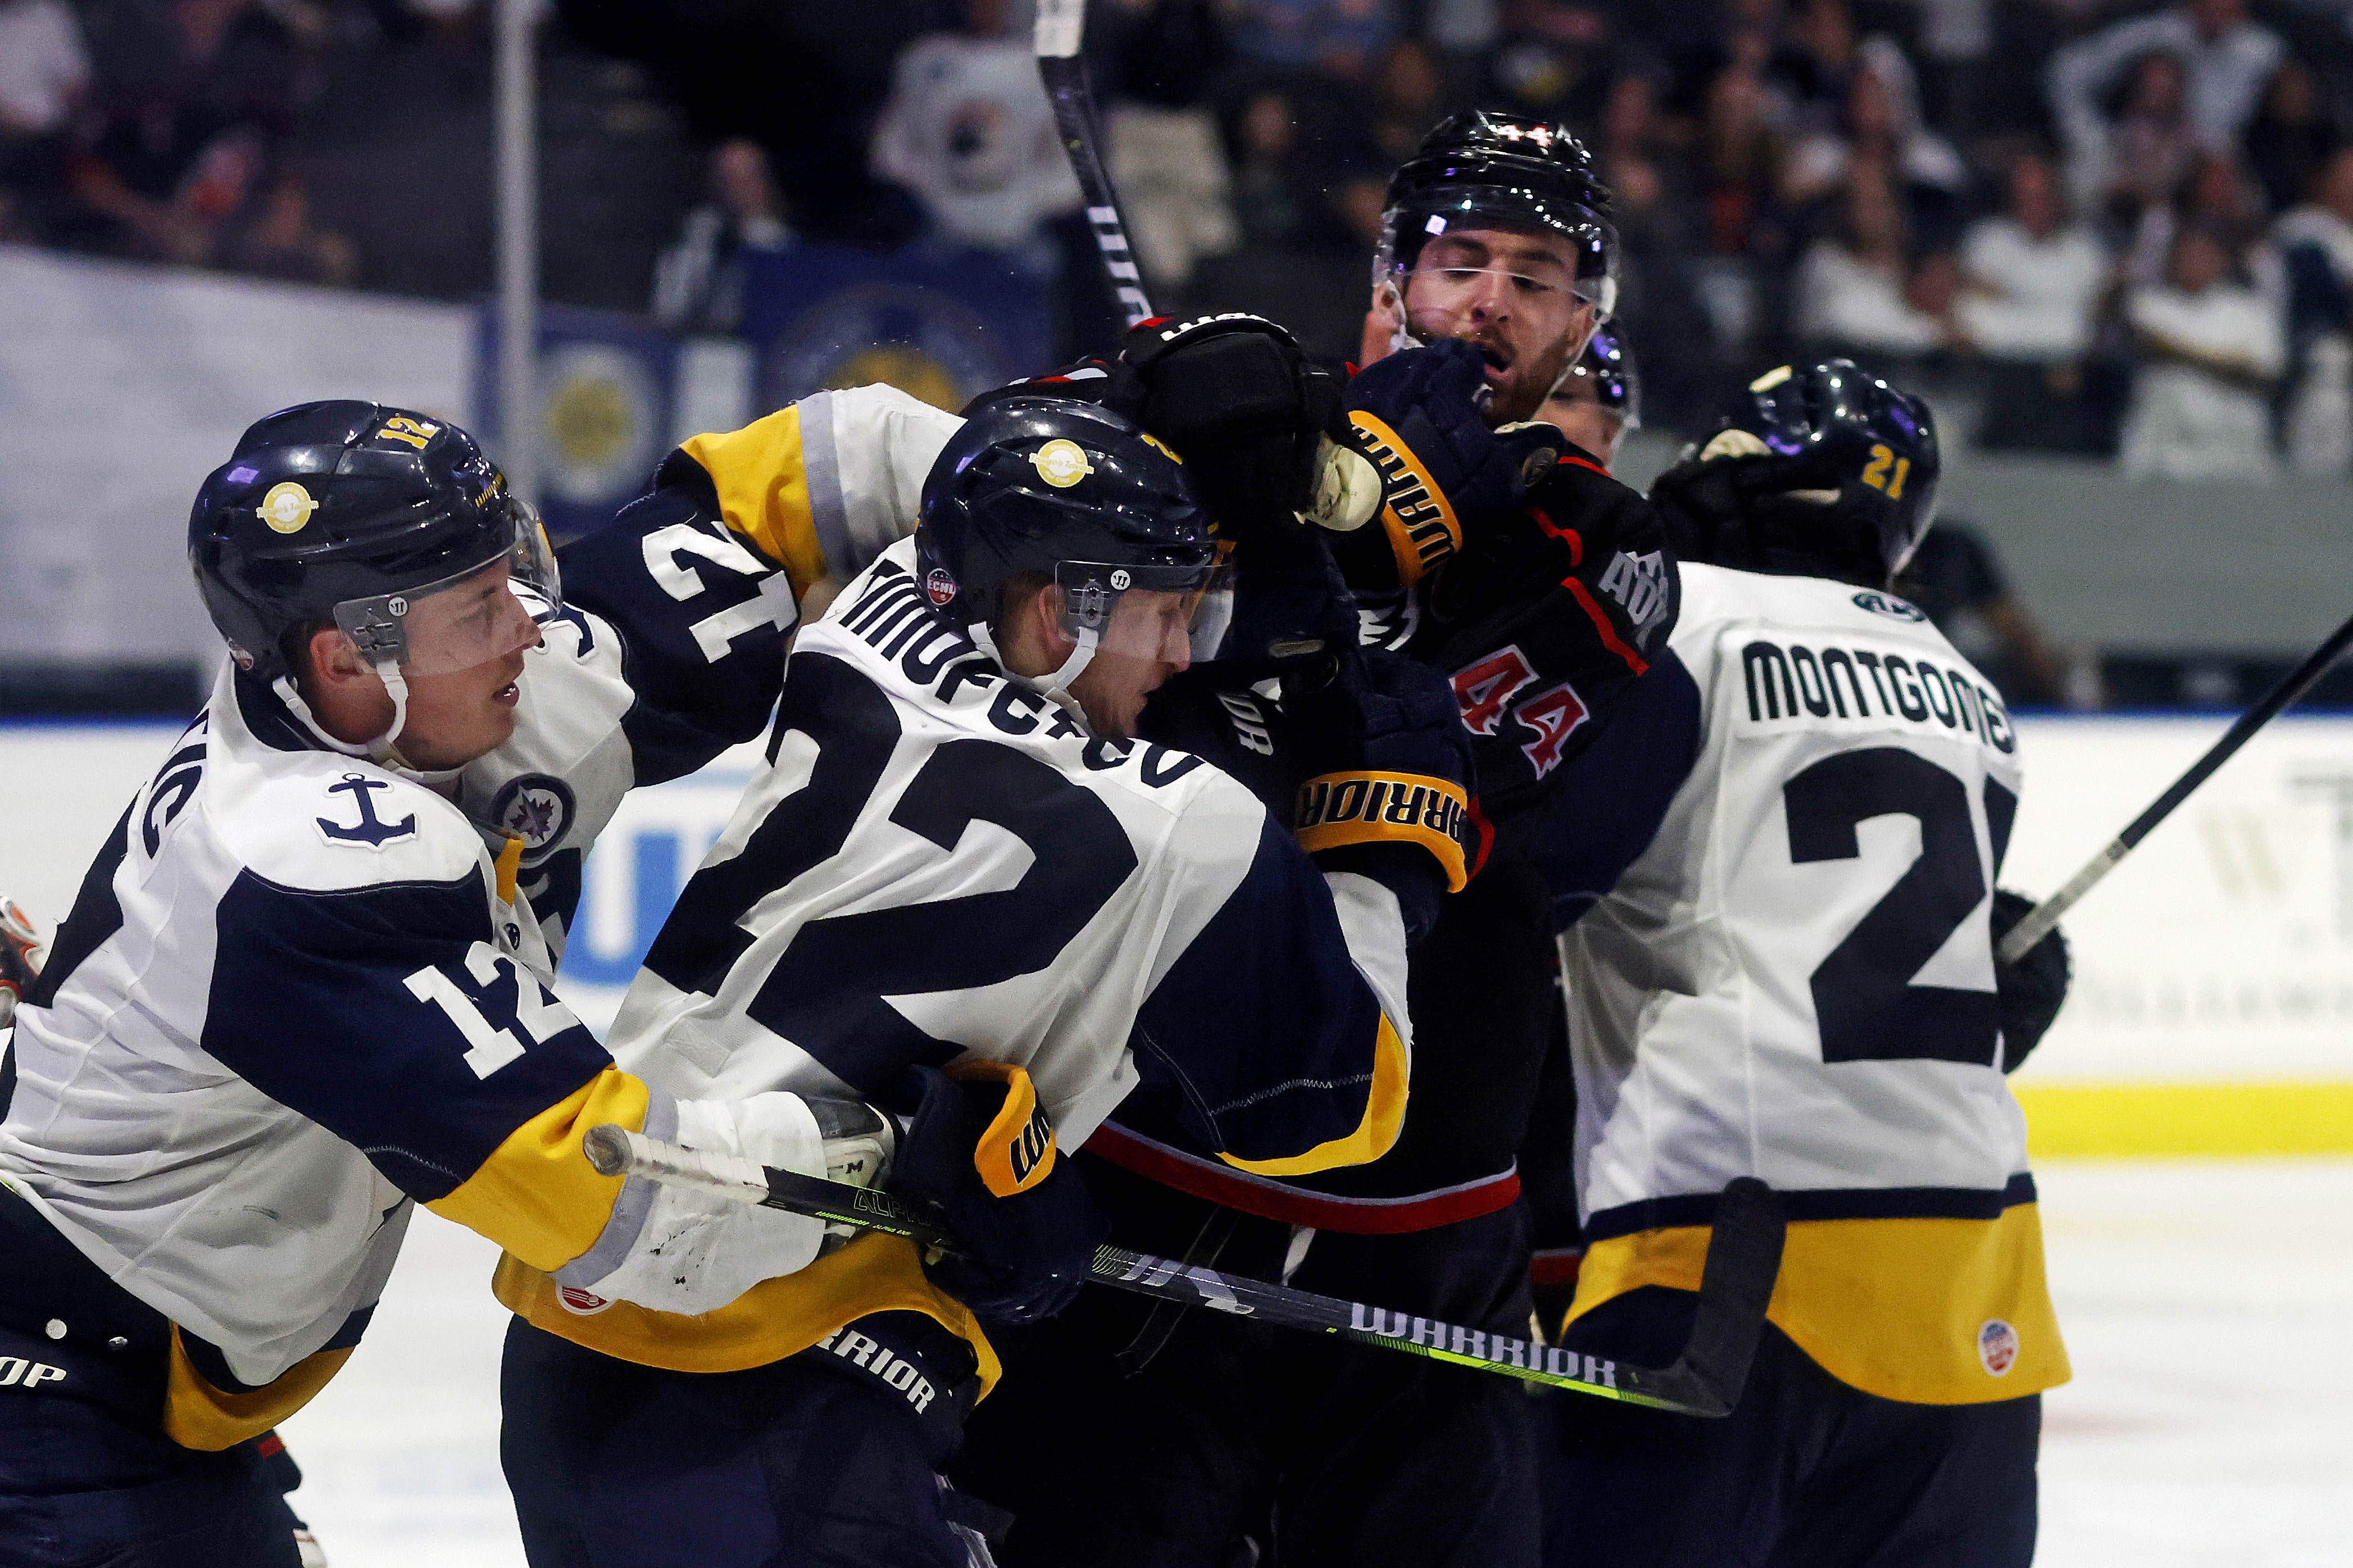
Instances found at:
x=1060 y=27
x=615 y=1150
x=2299 y=680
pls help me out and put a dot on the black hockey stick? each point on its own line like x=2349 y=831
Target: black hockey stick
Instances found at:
x=1060 y=24
x=1743 y=1259
x=2043 y=916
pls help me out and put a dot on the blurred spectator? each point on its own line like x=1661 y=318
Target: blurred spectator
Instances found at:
x=44 y=75
x=968 y=130
x=1739 y=169
x=2315 y=245
x=1165 y=155
x=1853 y=287
x=1955 y=38
x=192 y=100
x=1554 y=60
x=2226 y=62
x=699 y=281
x=2290 y=137
x=1408 y=97
x=1814 y=63
x=1956 y=578
x=1340 y=38
x=2214 y=195
x=2032 y=282
x=274 y=237
x=1279 y=181
x=2134 y=160
x=2211 y=348
x=1880 y=125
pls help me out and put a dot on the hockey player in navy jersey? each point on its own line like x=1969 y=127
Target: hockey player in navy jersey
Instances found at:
x=1779 y=957
x=962 y=889
x=300 y=990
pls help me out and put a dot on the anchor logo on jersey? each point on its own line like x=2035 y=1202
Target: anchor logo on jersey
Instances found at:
x=370 y=829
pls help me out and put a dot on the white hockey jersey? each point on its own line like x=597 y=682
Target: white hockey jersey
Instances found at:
x=298 y=991
x=1795 y=981
x=938 y=862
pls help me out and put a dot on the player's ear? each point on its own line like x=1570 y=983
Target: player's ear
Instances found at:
x=334 y=663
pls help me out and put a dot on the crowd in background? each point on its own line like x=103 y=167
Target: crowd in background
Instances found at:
x=2096 y=228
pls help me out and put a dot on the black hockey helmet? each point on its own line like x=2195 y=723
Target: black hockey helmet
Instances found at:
x=1607 y=365
x=1482 y=169
x=1072 y=493
x=344 y=512
x=1876 y=441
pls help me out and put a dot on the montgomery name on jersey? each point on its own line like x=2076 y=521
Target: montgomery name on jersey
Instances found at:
x=935 y=861
x=1795 y=981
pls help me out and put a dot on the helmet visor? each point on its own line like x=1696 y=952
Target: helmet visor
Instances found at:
x=1168 y=615
x=486 y=611
x=1581 y=259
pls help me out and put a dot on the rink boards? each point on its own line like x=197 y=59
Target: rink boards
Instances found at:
x=2213 y=1009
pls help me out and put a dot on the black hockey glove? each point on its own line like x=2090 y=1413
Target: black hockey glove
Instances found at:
x=1237 y=399
x=2029 y=994
x=981 y=1152
x=1416 y=416
x=1389 y=786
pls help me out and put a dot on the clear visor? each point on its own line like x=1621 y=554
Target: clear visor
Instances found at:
x=1506 y=239
x=484 y=612
x=1168 y=614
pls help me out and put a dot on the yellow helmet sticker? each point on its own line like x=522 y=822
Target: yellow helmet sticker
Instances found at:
x=1771 y=378
x=1061 y=463
x=287 y=506
x=1158 y=445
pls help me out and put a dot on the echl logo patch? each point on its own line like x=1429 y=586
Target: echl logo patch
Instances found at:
x=580 y=1304
x=1997 y=1346
x=536 y=808
x=938 y=586
x=1889 y=604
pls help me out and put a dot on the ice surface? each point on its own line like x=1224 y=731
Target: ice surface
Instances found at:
x=2208 y=1306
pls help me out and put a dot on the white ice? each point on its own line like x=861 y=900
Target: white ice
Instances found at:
x=2207 y=1306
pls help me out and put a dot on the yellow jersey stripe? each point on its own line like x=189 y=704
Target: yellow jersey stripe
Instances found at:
x=763 y=497
x=1384 y=1115
x=1928 y=1311
x=537 y=1195
x=199 y=1416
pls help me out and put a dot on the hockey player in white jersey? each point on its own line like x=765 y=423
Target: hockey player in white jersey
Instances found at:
x=960 y=889
x=300 y=989
x=1781 y=965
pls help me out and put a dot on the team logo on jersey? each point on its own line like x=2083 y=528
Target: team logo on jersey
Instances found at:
x=1387 y=620
x=370 y=830
x=580 y=1304
x=535 y=809
x=1639 y=583
x=286 y=508
x=1998 y=1346
x=1888 y=605
x=1061 y=463
x=939 y=587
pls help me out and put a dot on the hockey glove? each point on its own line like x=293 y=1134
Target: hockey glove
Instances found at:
x=1735 y=503
x=17 y=969
x=980 y=1150
x=1236 y=398
x=1417 y=416
x=2029 y=994
x=1391 y=795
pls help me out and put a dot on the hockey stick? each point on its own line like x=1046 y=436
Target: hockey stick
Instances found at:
x=1743 y=1259
x=1061 y=24
x=2301 y=679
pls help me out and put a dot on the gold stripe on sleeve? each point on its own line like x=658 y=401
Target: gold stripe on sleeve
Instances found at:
x=537 y=1195
x=199 y=1416
x=764 y=491
x=1384 y=1115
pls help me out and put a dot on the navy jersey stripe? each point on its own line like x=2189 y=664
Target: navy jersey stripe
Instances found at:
x=1849 y=1203
x=1602 y=808
x=312 y=1003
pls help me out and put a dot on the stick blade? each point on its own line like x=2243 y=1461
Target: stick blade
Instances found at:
x=1744 y=1262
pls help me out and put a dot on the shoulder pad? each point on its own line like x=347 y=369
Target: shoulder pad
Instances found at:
x=327 y=823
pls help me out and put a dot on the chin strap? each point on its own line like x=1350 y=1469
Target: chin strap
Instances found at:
x=1055 y=686
x=381 y=750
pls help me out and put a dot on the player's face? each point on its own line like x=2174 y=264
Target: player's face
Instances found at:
x=1576 y=414
x=1513 y=296
x=1145 y=642
x=466 y=647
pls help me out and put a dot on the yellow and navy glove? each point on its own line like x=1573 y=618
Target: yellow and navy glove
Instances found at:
x=980 y=1150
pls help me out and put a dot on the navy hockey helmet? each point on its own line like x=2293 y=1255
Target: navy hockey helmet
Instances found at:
x=347 y=512
x=1606 y=366
x=1487 y=170
x=1878 y=441
x=1073 y=494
